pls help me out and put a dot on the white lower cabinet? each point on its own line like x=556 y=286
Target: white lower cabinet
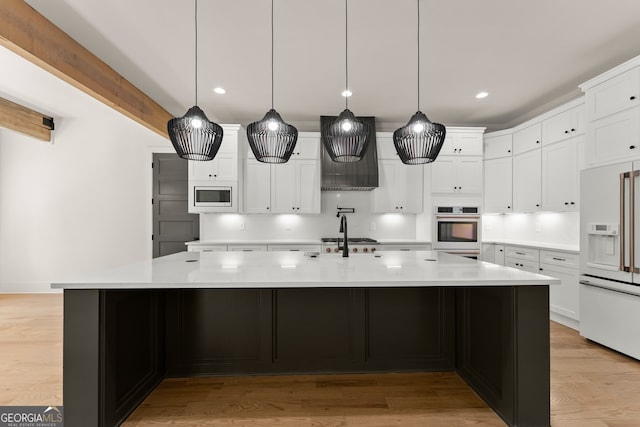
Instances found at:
x=207 y=248
x=247 y=248
x=530 y=266
x=400 y=188
x=294 y=248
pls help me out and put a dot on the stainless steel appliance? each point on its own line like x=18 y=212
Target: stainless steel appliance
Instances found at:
x=355 y=244
x=208 y=197
x=610 y=256
x=457 y=230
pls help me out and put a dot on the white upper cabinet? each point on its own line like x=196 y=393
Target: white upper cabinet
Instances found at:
x=527 y=139
x=560 y=176
x=225 y=165
x=527 y=182
x=613 y=95
x=498 y=185
x=257 y=187
x=462 y=141
x=307 y=147
x=613 y=138
x=456 y=175
x=400 y=188
x=385 y=146
x=497 y=146
x=564 y=125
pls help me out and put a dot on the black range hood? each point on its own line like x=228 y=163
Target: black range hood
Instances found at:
x=356 y=176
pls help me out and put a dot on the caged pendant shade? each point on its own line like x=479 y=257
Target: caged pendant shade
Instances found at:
x=271 y=139
x=420 y=140
x=346 y=139
x=194 y=136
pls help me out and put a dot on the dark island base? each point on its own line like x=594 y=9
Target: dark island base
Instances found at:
x=120 y=344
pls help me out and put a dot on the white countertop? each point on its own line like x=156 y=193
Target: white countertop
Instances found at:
x=297 y=242
x=540 y=245
x=296 y=270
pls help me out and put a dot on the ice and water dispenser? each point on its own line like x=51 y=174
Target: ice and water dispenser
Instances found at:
x=604 y=245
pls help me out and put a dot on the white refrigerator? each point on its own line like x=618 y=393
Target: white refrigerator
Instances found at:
x=610 y=256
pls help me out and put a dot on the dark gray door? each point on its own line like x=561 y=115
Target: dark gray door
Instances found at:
x=172 y=224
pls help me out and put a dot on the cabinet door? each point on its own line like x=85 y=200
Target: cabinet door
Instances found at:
x=614 y=95
x=499 y=254
x=383 y=200
x=558 y=127
x=527 y=182
x=308 y=186
x=560 y=176
x=469 y=175
x=444 y=175
x=462 y=143
x=498 y=185
x=615 y=137
x=307 y=147
x=386 y=148
x=257 y=187
x=283 y=187
x=496 y=147
x=527 y=139
x=409 y=188
x=563 y=299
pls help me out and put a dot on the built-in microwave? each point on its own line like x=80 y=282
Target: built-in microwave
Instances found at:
x=205 y=198
x=457 y=228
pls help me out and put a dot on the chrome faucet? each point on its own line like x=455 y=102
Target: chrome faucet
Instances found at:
x=343 y=229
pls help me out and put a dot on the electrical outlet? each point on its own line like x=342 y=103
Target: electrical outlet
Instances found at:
x=241 y=225
x=372 y=226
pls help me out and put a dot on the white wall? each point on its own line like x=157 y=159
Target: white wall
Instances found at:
x=326 y=224
x=78 y=204
x=546 y=227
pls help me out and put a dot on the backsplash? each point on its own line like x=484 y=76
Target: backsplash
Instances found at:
x=362 y=223
x=548 y=227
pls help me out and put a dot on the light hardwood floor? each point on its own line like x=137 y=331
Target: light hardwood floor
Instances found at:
x=591 y=386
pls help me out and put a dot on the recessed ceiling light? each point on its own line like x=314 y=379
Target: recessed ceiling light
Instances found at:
x=219 y=90
x=482 y=95
x=346 y=93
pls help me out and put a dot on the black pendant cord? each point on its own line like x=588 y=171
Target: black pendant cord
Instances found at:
x=272 y=54
x=418 y=1
x=346 y=55
x=196 y=44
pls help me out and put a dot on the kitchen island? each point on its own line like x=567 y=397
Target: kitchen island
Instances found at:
x=231 y=313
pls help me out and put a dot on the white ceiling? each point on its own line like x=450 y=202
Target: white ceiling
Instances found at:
x=529 y=55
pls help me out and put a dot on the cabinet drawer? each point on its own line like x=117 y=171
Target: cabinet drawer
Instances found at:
x=561 y=259
x=247 y=248
x=525 y=254
x=208 y=248
x=294 y=248
x=530 y=266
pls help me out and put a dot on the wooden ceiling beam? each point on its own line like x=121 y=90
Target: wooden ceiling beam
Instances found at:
x=29 y=34
x=24 y=120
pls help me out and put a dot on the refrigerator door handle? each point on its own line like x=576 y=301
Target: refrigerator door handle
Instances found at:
x=623 y=266
x=632 y=221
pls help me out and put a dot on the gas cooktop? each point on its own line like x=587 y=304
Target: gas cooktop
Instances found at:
x=349 y=240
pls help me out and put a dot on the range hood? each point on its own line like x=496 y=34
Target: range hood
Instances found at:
x=356 y=176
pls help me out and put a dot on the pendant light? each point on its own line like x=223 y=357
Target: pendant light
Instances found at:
x=193 y=135
x=271 y=139
x=346 y=138
x=420 y=140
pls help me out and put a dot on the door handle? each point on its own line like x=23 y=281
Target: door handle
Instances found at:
x=632 y=221
x=622 y=265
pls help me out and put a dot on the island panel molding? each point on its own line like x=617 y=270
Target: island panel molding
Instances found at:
x=29 y=34
x=124 y=329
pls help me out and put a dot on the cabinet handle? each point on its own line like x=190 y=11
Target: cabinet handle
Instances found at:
x=267 y=207
x=459 y=150
x=631 y=98
x=559 y=259
x=566 y=203
x=631 y=147
x=573 y=203
x=508 y=151
x=541 y=269
x=508 y=207
x=499 y=250
x=573 y=130
x=298 y=208
x=566 y=131
x=537 y=205
x=520 y=253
